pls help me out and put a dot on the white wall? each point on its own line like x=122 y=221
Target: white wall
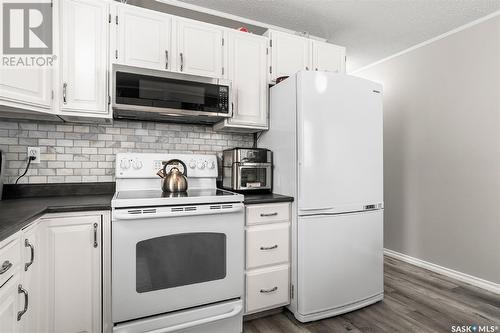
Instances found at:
x=442 y=150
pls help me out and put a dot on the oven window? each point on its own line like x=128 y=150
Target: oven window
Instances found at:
x=179 y=260
x=253 y=177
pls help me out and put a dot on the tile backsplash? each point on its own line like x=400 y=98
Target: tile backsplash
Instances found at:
x=86 y=152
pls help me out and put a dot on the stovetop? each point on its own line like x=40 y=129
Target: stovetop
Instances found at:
x=140 y=198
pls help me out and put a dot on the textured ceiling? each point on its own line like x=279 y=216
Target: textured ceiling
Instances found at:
x=370 y=29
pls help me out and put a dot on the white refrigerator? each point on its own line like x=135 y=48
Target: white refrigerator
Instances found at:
x=326 y=136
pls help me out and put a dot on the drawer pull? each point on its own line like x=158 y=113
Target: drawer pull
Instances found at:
x=267 y=291
x=5 y=266
x=265 y=248
x=32 y=251
x=268 y=215
x=21 y=290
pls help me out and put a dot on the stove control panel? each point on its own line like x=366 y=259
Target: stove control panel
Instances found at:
x=132 y=165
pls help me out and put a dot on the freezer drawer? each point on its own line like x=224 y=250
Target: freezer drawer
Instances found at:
x=267 y=245
x=340 y=260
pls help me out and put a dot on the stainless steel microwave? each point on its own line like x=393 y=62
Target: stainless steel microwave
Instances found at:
x=146 y=94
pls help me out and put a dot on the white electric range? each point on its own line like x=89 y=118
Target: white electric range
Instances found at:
x=177 y=258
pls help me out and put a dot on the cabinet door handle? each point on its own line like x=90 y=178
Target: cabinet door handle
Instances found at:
x=95 y=234
x=267 y=215
x=267 y=291
x=265 y=248
x=65 y=87
x=5 y=266
x=182 y=62
x=166 y=59
x=32 y=250
x=21 y=290
x=307 y=68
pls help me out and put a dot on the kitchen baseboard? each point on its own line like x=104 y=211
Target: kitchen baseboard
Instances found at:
x=472 y=280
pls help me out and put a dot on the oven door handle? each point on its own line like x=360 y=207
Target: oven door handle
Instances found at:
x=117 y=215
x=235 y=311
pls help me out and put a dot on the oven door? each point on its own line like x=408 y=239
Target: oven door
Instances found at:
x=252 y=176
x=171 y=258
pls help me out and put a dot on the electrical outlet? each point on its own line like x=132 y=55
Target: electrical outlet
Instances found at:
x=35 y=152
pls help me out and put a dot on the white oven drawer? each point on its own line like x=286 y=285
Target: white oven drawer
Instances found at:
x=267 y=213
x=10 y=259
x=267 y=288
x=267 y=245
x=221 y=317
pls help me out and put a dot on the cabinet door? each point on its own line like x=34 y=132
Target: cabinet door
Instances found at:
x=328 y=57
x=25 y=87
x=289 y=54
x=9 y=305
x=144 y=37
x=247 y=65
x=74 y=274
x=84 y=35
x=199 y=48
x=30 y=280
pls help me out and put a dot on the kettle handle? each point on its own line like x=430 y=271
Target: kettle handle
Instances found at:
x=172 y=161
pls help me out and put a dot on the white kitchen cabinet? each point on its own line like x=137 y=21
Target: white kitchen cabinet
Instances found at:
x=267 y=264
x=73 y=277
x=328 y=57
x=247 y=64
x=84 y=26
x=289 y=54
x=9 y=305
x=30 y=278
x=144 y=38
x=25 y=87
x=198 y=48
x=10 y=262
x=267 y=288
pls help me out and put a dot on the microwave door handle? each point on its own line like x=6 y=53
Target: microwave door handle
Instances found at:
x=235 y=311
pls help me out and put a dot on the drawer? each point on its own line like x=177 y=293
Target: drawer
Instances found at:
x=267 y=288
x=10 y=258
x=267 y=213
x=267 y=245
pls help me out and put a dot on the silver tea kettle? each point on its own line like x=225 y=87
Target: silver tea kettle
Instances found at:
x=175 y=180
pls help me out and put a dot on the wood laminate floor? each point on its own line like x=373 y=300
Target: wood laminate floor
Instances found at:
x=416 y=300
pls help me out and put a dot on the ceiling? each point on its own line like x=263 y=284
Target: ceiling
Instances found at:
x=370 y=29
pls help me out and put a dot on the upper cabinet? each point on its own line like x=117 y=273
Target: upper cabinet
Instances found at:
x=84 y=49
x=328 y=57
x=289 y=54
x=247 y=63
x=26 y=87
x=144 y=38
x=199 y=48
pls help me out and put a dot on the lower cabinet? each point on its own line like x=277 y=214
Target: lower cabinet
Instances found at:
x=267 y=264
x=8 y=305
x=52 y=276
x=73 y=289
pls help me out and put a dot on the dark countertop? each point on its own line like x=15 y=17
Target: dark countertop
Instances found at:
x=23 y=204
x=15 y=214
x=261 y=198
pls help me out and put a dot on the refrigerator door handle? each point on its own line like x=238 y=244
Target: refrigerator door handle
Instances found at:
x=316 y=209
